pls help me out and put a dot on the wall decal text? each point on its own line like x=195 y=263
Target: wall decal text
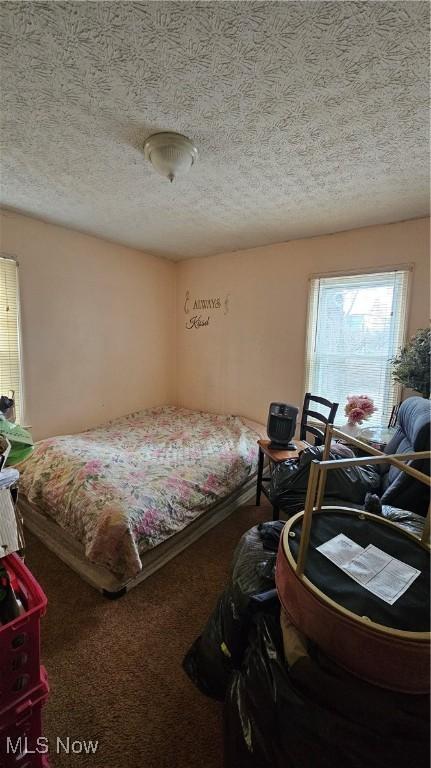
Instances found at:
x=191 y=304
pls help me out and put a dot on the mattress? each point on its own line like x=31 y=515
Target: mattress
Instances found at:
x=125 y=488
x=72 y=552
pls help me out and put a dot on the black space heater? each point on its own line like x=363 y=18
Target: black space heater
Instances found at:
x=281 y=426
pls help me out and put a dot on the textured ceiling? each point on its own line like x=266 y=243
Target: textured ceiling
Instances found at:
x=310 y=117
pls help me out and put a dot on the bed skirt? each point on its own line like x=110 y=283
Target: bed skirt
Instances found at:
x=72 y=553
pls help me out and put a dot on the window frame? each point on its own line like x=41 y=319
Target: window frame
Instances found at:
x=370 y=270
x=22 y=410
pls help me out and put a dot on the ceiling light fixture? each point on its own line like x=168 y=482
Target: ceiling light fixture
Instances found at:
x=170 y=153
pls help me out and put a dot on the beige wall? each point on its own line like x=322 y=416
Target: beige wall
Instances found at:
x=255 y=354
x=97 y=326
x=104 y=325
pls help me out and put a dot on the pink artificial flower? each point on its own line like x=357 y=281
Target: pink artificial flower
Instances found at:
x=350 y=406
x=356 y=415
x=361 y=403
x=367 y=406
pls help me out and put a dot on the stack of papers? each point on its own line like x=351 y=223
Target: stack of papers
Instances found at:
x=379 y=573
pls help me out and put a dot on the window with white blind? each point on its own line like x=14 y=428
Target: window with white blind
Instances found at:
x=10 y=358
x=356 y=324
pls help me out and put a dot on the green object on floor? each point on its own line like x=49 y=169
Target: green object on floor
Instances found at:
x=20 y=439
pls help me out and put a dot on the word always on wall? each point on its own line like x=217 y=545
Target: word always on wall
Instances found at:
x=197 y=306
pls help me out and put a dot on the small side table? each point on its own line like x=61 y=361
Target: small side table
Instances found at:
x=378 y=437
x=274 y=457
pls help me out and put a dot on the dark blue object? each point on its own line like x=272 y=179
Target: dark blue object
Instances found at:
x=413 y=434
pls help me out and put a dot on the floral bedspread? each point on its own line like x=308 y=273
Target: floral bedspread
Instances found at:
x=125 y=487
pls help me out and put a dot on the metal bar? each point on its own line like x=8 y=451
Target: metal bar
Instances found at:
x=321 y=488
x=412 y=471
x=425 y=538
x=386 y=459
x=375 y=452
x=259 y=477
x=308 y=516
x=322 y=478
x=354 y=441
x=327 y=444
x=395 y=460
x=317 y=482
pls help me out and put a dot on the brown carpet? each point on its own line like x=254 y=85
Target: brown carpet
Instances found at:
x=115 y=667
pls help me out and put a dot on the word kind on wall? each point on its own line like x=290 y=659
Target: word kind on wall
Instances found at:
x=200 y=311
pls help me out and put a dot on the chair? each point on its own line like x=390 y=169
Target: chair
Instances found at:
x=412 y=434
x=394 y=415
x=310 y=416
x=275 y=456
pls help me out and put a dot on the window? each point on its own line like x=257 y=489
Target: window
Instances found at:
x=10 y=359
x=356 y=324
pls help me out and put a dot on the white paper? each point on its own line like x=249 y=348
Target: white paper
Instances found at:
x=379 y=573
x=367 y=564
x=340 y=549
x=8 y=529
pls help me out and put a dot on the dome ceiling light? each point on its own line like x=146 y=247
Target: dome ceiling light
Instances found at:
x=170 y=153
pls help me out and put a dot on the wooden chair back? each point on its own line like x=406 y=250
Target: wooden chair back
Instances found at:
x=309 y=414
x=394 y=415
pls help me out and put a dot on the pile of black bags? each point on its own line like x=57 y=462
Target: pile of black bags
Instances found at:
x=220 y=648
x=289 y=480
x=309 y=715
x=315 y=715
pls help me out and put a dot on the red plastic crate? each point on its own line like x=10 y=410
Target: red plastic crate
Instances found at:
x=20 y=639
x=21 y=728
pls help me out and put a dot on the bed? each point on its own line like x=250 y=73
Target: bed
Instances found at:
x=117 y=502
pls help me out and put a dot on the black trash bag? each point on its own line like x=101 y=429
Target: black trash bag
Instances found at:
x=412 y=522
x=348 y=485
x=253 y=563
x=220 y=648
x=250 y=710
x=316 y=715
x=210 y=660
x=270 y=534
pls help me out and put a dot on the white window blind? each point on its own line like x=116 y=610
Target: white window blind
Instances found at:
x=356 y=324
x=10 y=361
